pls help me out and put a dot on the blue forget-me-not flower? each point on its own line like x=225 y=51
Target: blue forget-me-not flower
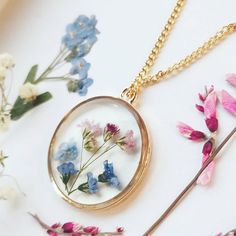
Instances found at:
x=67 y=151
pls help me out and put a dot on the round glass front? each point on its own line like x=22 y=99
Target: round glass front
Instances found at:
x=98 y=153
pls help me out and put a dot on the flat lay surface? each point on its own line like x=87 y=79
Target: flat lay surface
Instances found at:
x=31 y=31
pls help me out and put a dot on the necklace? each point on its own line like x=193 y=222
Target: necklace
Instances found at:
x=100 y=150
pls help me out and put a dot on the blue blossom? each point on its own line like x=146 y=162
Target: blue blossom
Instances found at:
x=83 y=86
x=67 y=152
x=82 y=28
x=84 y=48
x=67 y=168
x=80 y=66
x=92 y=183
x=108 y=175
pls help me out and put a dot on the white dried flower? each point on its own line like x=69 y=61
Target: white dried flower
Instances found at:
x=7 y=193
x=6 y=60
x=28 y=92
x=5 y=120
x=3 y=72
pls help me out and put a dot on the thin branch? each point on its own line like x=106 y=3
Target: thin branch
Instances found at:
x=190 y=186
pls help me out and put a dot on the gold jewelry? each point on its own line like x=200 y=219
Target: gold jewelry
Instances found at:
x=144 y=79
x=77 y=172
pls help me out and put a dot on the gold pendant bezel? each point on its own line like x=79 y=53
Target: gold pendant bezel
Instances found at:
x=139 y=174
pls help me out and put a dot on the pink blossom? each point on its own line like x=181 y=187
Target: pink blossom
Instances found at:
x=231 y=78
x=110 y=131
x=120 y=230
x=210 y=111
x=54 y=226
x=52 y=233
x=94 y=129
x=68 y=227
x=206 y=175
x=200 y=108
x=207 y=149
x=210 y=105
x=203 y=97
x=190 y=133
x=129 y=142
x=93 y=230
x=112 y=128
x=227 y=101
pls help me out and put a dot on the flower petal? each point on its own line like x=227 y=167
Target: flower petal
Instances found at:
x=207 y=149
x=227 y=101
x=200 y=108
x=190 y=133
x=210 y=105
x=184 y=129
x=231 y=78
x=206 y=176
x=212 y=124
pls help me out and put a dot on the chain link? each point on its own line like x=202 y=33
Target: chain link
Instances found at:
x=144 y=79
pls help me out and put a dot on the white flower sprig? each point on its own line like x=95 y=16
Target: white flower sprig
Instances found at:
x=6 y=65
x=7 y=192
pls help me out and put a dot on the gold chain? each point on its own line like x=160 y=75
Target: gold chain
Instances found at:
x=144 y=79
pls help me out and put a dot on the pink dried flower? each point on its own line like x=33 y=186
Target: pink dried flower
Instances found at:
x=210 y=111
x=212 y=124
x=110 y=131
x=89 y=127
x=203 y=97
x=206 y=176
x=93 y=230
x=127 y=143
x=190 y=133
x=231 y=78
x=112 y=128
x=200 y=108
x=207 y=148
x=54 y=226
x=227 y=101
x=120 y=230
x=68 y=227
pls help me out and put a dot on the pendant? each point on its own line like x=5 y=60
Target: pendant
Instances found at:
x=99 y=153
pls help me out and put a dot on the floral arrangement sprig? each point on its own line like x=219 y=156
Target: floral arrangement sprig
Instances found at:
x=69 y=152
x=75 y=229
x=76 y=44
x=6 y=66
x=7 y=192
x=208 y=109
x=230 y=233
x=210 y=151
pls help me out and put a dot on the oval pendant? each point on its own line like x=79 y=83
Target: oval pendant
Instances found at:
x=99 y=153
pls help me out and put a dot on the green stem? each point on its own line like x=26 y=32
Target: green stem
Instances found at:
x=52 y=66
x=82 y=169
x=81 y=154
x=107 y=150
x=95 y=153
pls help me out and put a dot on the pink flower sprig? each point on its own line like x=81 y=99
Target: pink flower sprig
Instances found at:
x=74 y=229
x=209 y=151
x=230 y=233
x=209 y=109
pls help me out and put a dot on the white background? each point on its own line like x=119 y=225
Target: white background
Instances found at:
x=31 y=31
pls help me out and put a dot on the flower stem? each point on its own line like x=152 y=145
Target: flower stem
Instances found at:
x=190 y=186
x=94 y=153
x=81 y=232
x=82 y=168
x=107 y=150
x=58 y=59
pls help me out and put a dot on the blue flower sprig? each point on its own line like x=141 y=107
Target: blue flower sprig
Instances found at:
x=78 y=41
x=96 y=143
x=91 y=186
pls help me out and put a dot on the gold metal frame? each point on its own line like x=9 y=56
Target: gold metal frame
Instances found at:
x=139 y=174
